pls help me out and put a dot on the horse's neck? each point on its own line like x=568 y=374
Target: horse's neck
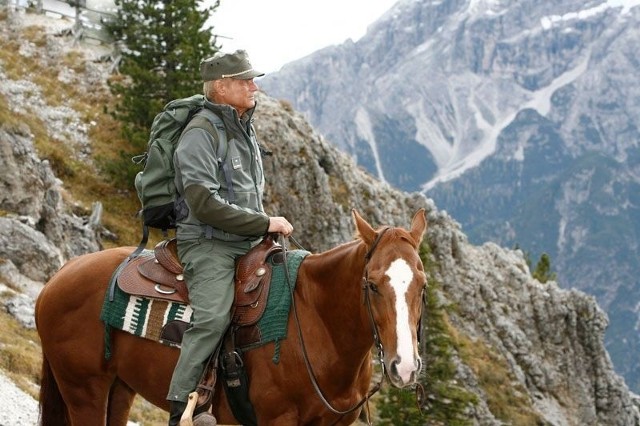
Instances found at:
x=335 y=290
x=338 y=271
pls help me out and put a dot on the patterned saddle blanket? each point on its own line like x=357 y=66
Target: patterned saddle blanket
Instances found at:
x=261 y=307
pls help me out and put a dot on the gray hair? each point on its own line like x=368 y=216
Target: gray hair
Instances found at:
x=208 y=87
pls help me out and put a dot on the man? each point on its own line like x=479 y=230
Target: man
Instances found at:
x=222 y=217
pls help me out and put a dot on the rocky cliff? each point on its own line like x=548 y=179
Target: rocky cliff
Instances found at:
x=548 y=340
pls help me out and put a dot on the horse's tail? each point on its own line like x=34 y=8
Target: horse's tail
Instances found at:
x=53 y=410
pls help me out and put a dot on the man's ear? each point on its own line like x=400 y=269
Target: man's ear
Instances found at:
x=219 y=87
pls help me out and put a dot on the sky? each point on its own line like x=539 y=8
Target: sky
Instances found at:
x=275 y=32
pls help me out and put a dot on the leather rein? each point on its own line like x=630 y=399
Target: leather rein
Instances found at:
x=367 y=286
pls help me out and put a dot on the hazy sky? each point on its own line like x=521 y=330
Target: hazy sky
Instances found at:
x=275 y=32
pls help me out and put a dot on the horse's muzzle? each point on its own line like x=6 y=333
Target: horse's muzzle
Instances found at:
x=403 y=374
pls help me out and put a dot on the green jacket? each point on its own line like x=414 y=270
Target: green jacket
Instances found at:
x=201 y=181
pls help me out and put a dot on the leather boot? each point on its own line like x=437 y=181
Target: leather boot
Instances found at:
x=176 y=408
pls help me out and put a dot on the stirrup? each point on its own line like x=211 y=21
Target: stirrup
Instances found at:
x=206 y=386
x=202 y=419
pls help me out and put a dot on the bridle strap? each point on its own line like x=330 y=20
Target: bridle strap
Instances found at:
x=369 y=253
x=376 y=337
x=366 y=287
x=376 y=334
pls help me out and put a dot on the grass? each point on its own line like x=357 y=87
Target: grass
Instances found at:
x=85 y=183
x=507 y=399
x=20 y=357
x=9 y=121
x=339 y=191
x=146 y=414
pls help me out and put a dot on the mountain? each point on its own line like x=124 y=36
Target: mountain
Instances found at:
x=519 y=118
x=499 y=346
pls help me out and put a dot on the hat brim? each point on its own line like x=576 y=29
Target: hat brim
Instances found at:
x=248 y=75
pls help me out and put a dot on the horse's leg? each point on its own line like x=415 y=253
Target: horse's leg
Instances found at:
x=86 y=400
x=120 y=400
x=81 y=373
x=53 y=410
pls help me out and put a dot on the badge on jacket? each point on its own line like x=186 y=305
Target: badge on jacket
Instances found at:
x=235 y=163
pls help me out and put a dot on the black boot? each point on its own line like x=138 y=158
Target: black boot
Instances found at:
x=176 y=408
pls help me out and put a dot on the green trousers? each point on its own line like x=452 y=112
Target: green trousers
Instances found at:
x=209 y=267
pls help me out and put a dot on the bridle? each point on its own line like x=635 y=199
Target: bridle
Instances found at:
x=367 y=287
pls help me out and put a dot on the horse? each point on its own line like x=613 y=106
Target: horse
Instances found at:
x=348 y=300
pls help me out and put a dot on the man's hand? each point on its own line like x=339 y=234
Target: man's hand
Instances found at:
x=280 y=225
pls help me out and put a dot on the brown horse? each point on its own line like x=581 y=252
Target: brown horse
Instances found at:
x=359 y=293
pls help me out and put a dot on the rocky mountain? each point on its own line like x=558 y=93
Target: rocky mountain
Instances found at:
x=539 y=347
x=519 y=118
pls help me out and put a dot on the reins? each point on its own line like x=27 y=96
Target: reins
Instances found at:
x=376 y=336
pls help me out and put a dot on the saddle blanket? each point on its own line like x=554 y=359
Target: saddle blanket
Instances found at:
x=146 y=317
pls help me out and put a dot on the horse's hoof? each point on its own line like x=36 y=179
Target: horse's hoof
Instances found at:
x=204 y=419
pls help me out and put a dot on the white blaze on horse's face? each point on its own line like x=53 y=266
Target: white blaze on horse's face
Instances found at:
x=406 y=366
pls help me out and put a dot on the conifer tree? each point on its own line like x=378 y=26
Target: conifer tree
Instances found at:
x=162 y=43
x=542 y=272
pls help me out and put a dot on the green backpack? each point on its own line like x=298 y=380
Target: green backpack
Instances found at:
x=155 y=183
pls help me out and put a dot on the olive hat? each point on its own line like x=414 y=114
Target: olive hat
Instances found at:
x=228 y=65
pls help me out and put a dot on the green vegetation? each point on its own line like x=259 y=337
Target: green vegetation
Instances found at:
x=507 y=399
x=542 y=271
x=165 y=42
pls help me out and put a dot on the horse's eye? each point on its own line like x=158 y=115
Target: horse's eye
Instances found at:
x=373 y=287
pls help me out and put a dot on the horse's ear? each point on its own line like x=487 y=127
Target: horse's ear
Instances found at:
x=366 y=232
x=418 y=226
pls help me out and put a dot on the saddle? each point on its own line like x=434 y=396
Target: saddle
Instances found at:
x=159 y=275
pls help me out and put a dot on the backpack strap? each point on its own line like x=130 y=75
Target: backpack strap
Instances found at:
x=214 y=125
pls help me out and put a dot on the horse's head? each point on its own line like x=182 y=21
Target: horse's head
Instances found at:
x=394 y=284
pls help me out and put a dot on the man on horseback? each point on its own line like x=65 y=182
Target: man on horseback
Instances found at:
x=221 y=215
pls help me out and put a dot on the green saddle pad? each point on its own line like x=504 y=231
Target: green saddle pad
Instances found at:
x=145 y=317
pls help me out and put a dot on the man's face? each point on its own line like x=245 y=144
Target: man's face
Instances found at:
x=240 y=94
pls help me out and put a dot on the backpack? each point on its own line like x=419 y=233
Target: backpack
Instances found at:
x=155 y=183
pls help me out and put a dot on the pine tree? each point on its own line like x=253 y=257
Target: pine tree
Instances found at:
x=542 y=272
x=162 y=44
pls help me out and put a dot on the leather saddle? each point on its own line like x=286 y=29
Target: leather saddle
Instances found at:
x=159 y=275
